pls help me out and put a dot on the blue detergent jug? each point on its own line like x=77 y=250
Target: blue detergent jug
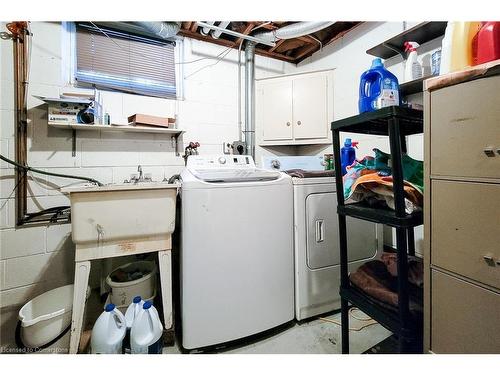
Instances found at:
x=378 y=88
x=347 y=154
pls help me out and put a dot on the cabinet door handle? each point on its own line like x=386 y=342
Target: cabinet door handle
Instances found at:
x=288 y=123
x=299 y=123
x=489 y=260
x=489 y=152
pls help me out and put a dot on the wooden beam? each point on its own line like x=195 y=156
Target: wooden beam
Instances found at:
x=247 y=30
x=278 y=43
x=306 y=52
x=228 y=43
x=194 y=26
x=187 y=25
x=341 y=34
x=209 y=39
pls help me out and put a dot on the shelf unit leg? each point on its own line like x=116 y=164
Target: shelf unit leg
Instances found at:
x=411 y=241
x=344 y=319
x=344 y=275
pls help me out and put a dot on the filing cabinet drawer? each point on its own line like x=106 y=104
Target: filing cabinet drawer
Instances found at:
x=465 y=229
x=465 y=129
x=465 y=318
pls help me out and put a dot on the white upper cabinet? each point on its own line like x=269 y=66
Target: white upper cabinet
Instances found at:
x=276 y=108
x=310 y=112
x=295 y=110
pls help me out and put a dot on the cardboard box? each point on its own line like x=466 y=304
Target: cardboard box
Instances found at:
x=139 y=119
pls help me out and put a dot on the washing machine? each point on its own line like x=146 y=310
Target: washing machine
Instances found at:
x=316 y=243
x=236 y=251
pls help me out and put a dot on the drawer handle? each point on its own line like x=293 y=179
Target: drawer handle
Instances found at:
x=299 y=123
x=288 y=124
x=489 y=152
x=489 y=260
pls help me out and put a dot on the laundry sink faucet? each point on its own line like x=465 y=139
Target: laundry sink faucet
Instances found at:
x=139 y=169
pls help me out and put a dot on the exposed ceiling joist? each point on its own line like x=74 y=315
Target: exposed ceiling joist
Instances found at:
x=291 y=50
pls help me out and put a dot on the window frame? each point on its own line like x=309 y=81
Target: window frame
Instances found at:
x=69 y=71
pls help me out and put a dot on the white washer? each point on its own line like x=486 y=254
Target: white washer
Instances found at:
x=316 y=244
x=236 y=259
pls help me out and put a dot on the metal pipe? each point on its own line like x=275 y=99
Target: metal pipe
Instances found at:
x=237 y=34
x=216 y=34
x=206 y=30
x=249 y=131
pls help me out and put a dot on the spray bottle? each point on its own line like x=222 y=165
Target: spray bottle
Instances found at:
x=347 y=154
x=413 y=69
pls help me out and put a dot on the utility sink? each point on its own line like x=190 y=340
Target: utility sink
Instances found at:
x=121 y=212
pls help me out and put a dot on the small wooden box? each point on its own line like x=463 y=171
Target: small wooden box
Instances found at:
x=139 y=119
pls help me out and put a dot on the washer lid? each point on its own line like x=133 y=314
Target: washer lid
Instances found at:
x=235 y=175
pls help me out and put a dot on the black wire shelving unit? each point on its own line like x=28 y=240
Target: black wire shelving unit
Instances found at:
x=396 y=123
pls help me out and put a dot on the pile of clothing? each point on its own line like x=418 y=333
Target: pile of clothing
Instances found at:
x=370 y=180
x=378 y=280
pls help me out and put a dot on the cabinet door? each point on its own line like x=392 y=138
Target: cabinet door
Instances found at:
x=310 y=107
x=275 y=105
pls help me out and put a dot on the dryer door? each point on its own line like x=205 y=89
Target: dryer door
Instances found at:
x=322 y=233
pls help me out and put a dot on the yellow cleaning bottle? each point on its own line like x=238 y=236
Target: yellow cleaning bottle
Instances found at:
x=461 y=45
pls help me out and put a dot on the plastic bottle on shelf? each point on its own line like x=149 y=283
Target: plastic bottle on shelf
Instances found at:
x=347 y=154
x=378 y=88
x=413 y=69
x=486 y=43
x=147 y=330
x=108 y=332
x=446 y=48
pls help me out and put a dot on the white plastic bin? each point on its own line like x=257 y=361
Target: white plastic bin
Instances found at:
x=47 y=316
x=122 y=293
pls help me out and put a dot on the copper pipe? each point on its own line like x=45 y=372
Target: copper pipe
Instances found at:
x=20 y=36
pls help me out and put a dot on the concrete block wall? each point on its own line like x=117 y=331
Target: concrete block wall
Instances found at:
x=36 y=259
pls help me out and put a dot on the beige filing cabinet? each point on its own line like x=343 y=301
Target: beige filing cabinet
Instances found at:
x=462 y=214
x=295 y=109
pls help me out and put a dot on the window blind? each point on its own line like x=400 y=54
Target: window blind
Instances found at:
x=124 y=62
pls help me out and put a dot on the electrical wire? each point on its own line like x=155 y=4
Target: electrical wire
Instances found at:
x=27 y=168
x=369 y=321
x=209 y=65
x=156 y=60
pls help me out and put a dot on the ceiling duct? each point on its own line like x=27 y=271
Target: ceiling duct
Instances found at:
x=164 y=30
x=294 y=30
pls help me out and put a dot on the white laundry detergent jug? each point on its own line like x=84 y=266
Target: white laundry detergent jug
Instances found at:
x=132 y=312
x=147 y=331
x=108 y=332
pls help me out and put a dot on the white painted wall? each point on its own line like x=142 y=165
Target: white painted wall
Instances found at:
x=36 y=259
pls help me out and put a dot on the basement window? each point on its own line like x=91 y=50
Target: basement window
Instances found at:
x=116 y=60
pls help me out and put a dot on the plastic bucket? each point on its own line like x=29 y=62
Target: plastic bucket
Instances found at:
x=123 y=292
x=44 y=321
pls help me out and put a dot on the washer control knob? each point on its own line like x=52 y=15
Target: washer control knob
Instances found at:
x=222 y=160
x=275 y=164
